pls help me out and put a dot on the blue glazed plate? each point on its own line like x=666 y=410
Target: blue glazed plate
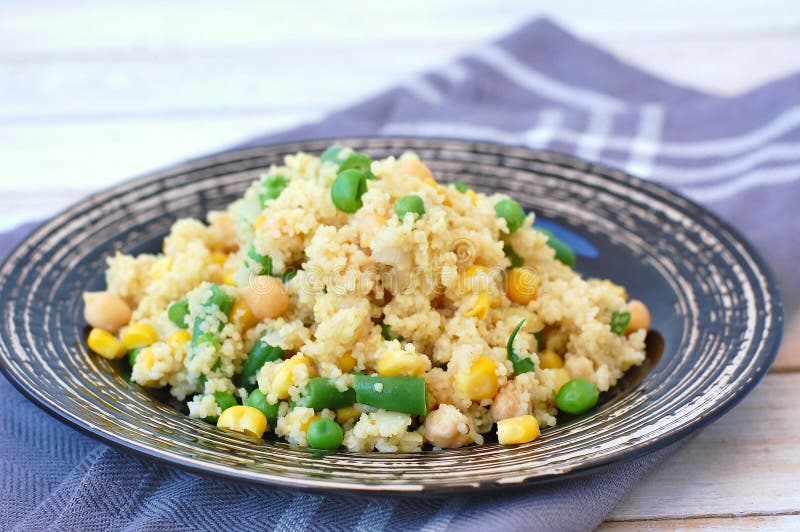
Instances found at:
x=714 y=305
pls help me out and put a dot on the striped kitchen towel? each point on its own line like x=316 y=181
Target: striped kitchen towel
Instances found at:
x=539 y=87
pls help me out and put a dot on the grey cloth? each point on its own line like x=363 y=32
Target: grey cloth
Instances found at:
x=538 y=87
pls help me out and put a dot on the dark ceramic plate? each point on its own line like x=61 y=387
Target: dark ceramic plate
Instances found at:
x=712 y=299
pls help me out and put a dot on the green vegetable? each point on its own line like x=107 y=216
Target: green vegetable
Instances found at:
x=261 y=353
x=360 y=162
x=177 y=313
x=322 y=393
x=564 y=253
x=386 y=332
x=398 y=394
x=265 y=261
x=460 y=186
x=271 y=188
x=577 y=396
x=409 y=204
x=331 y=155
x=225 y=400
x=511 y=212
x=620 y=321
x=219 y=300
x=324 y=434
x=539 y=341
x=288 y=275
x=133 y=354
x=258 y=400
x=347 y=189
x=521 y=365
x=512 y=256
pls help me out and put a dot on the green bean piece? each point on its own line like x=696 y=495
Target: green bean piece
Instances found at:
x=264 y=261
x=577 y=396
x=258 y=400
x=260 y=354
x=322 y=393
x=409 y=204
x=619 y=321
x=564 y=253
x=218 y=300
x=398 y=394
x=520 y=365
x=347 y=189
x=512 y=256
x=511 y=212
x=225 y=400
x=386 y=332
x=460 y=186
x=540 y=345
x=331 y=155
x=360 y=162
x=324 y=434
x=177 y=313
x=288 y=275
x=271 y=187
x=133 y=354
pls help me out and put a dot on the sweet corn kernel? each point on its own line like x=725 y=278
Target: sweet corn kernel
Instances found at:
x=308 y=422
x=260 y=221
x=520 y=429
x=561 y=377
x=472 y=196
x=244 y=419
x=219 y=257
x=241 y=315
x=178 y=340
x=105 y=344
x=227 y=279
x=550 y=360
x=346 y=413
x=430 y=181
x=481 y=307
x=400 y=363
x=480 y=382
x=146 y=359
x=161 y=267
x=523 y=285
x=138 y=335
x=284 y=377
x=347 y=362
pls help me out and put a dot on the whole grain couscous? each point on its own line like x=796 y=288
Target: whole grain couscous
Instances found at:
x=358 y=303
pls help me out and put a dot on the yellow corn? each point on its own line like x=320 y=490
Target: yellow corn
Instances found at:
x=105 y=344
x=523 y=285
x=481 y=307
x=178 y=340
x=400 y=363
x=430 y=181
x=480 y=382
x=241 y=315
x=472 y=196
x=550 y=360
x=138 y=335
x=161 y=267
x=245 y=419
x=520 y=429
x=146 y=359
x=560 y=378
x=346 y=413
x=260 y=221
x=347 y=362
x=227 y=279
x=308 y=422
x=219 y=257
x=284 y=377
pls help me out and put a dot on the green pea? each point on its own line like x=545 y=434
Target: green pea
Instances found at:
x=219 y=300
x=324 y=434
x=564 y=253
x=177 y=313
x=520 y=365
x=271 y=188
x=460 y=186
x=331 y=155
x=347 y=189
x=512 y=256
x=360 y=162
x=577 y=396
x=409 y=204
x=263 y=261
x=258 y=400
x=398 y=394
x=620 y=321
x=511 y=212
x=261 y=353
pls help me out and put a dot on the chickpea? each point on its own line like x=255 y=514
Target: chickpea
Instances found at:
x=640 y=316
x=447 y=427
x=507 y=403
x=266 y=296
x=413 y=166
x=104 y=310
x=224 y=228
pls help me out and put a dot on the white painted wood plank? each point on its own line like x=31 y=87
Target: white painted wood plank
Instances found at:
x=774 y=523
x=747 y=462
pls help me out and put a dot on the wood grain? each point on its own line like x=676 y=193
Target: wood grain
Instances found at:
x=775 y=523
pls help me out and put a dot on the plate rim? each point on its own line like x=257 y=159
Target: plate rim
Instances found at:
x=769 y=346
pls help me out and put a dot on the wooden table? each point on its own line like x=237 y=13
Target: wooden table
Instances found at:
x=94 y=92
